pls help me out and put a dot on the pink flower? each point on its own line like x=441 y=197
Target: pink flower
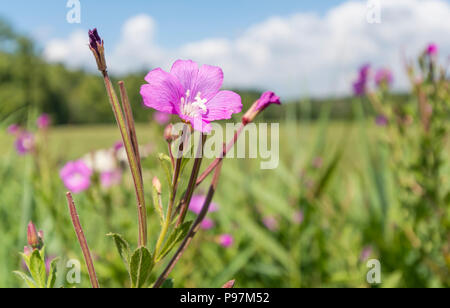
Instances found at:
x=226 y=240
x=266 y=99
x=110 y=178
x=207 y=224
x=197 y=204
x=298 y=217
x=13 y=129
x=432 y=49
x=43 y=121
x=192 y=93
x=76 y=176
x=360 y=85
x=381 y=120
x=24 y=143
x=383 y=76
x=161 y=118
x=271 y=223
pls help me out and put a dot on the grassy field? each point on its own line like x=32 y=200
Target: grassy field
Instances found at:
x=337 y=174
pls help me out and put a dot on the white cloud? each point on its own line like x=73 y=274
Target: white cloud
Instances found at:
x=300 y=54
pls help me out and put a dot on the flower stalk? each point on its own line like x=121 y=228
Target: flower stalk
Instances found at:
x=192 y=231
x=82 y=240
x=125 y=123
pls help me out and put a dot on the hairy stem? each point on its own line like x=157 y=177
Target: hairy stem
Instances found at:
x=82 y=240
x=192 y=231
x=132 y=159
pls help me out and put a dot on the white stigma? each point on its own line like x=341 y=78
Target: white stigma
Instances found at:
x=193 y=108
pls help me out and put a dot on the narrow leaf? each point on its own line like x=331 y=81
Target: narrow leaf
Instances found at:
x=37 y=269
x=122 y=247
x=52 y=274
x=27 y=279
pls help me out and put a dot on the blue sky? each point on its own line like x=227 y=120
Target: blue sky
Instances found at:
x=293 y=47
x=179 y=21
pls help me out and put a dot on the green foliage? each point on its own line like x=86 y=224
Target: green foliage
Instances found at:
x=141 y=265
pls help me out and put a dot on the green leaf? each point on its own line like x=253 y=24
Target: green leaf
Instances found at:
x=122 y=247
x=30 y=282
x=174 y=238
x=37 y=268
x=167 y=284
x=52 y=274
x=141 y=266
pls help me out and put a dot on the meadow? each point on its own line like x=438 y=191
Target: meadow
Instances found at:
x=353 y=217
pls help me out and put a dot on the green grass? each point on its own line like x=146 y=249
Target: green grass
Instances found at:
x=344 y=215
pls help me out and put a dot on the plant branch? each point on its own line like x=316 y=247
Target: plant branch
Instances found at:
x=226 y=149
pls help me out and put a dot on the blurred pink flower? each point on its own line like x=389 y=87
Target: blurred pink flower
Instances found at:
x=226 y=240
x=24 y=143
x=43 y=121
x=298 y=217
x=161 y=118
x=381 y=120
x=266 y=99
x=192 y=93
x=271 y=223
x=383 y=76
x=432 y=49
x=360 y=85
x=76 y=176
x=365 y=253
x=110 y=178
x=207 y=224
x=13 y=129
x=197 y=204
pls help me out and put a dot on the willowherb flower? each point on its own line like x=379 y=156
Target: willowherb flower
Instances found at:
x=360 y=85
x=24 y=143
x=192 y=93
x=226 y=240
x=161 y=118
x=381 y=120
x=110 y=178
x=267 y=98
x=43 y=121
x=207 y=224
x=432 y=49
x=197 y=202
x=298 y=217
x=13 y=129
x=271 y=223
x=76 y=176
x=383 y=76
x=365 y=253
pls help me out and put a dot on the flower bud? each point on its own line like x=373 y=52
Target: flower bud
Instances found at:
x=169 y=136
x=35 y=239
x=96 y=45
x=266 y=99
x=156 y=185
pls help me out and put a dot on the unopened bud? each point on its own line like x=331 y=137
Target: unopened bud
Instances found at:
x=32 y=235
x=266 y=99
x=168 y=134
x=96 y=45
x=156 y=184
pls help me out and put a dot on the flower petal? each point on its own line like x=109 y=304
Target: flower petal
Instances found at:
x=209 y=81
x=186 y=72
x=163 y=91
x=223 y=105
x=200 y=124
